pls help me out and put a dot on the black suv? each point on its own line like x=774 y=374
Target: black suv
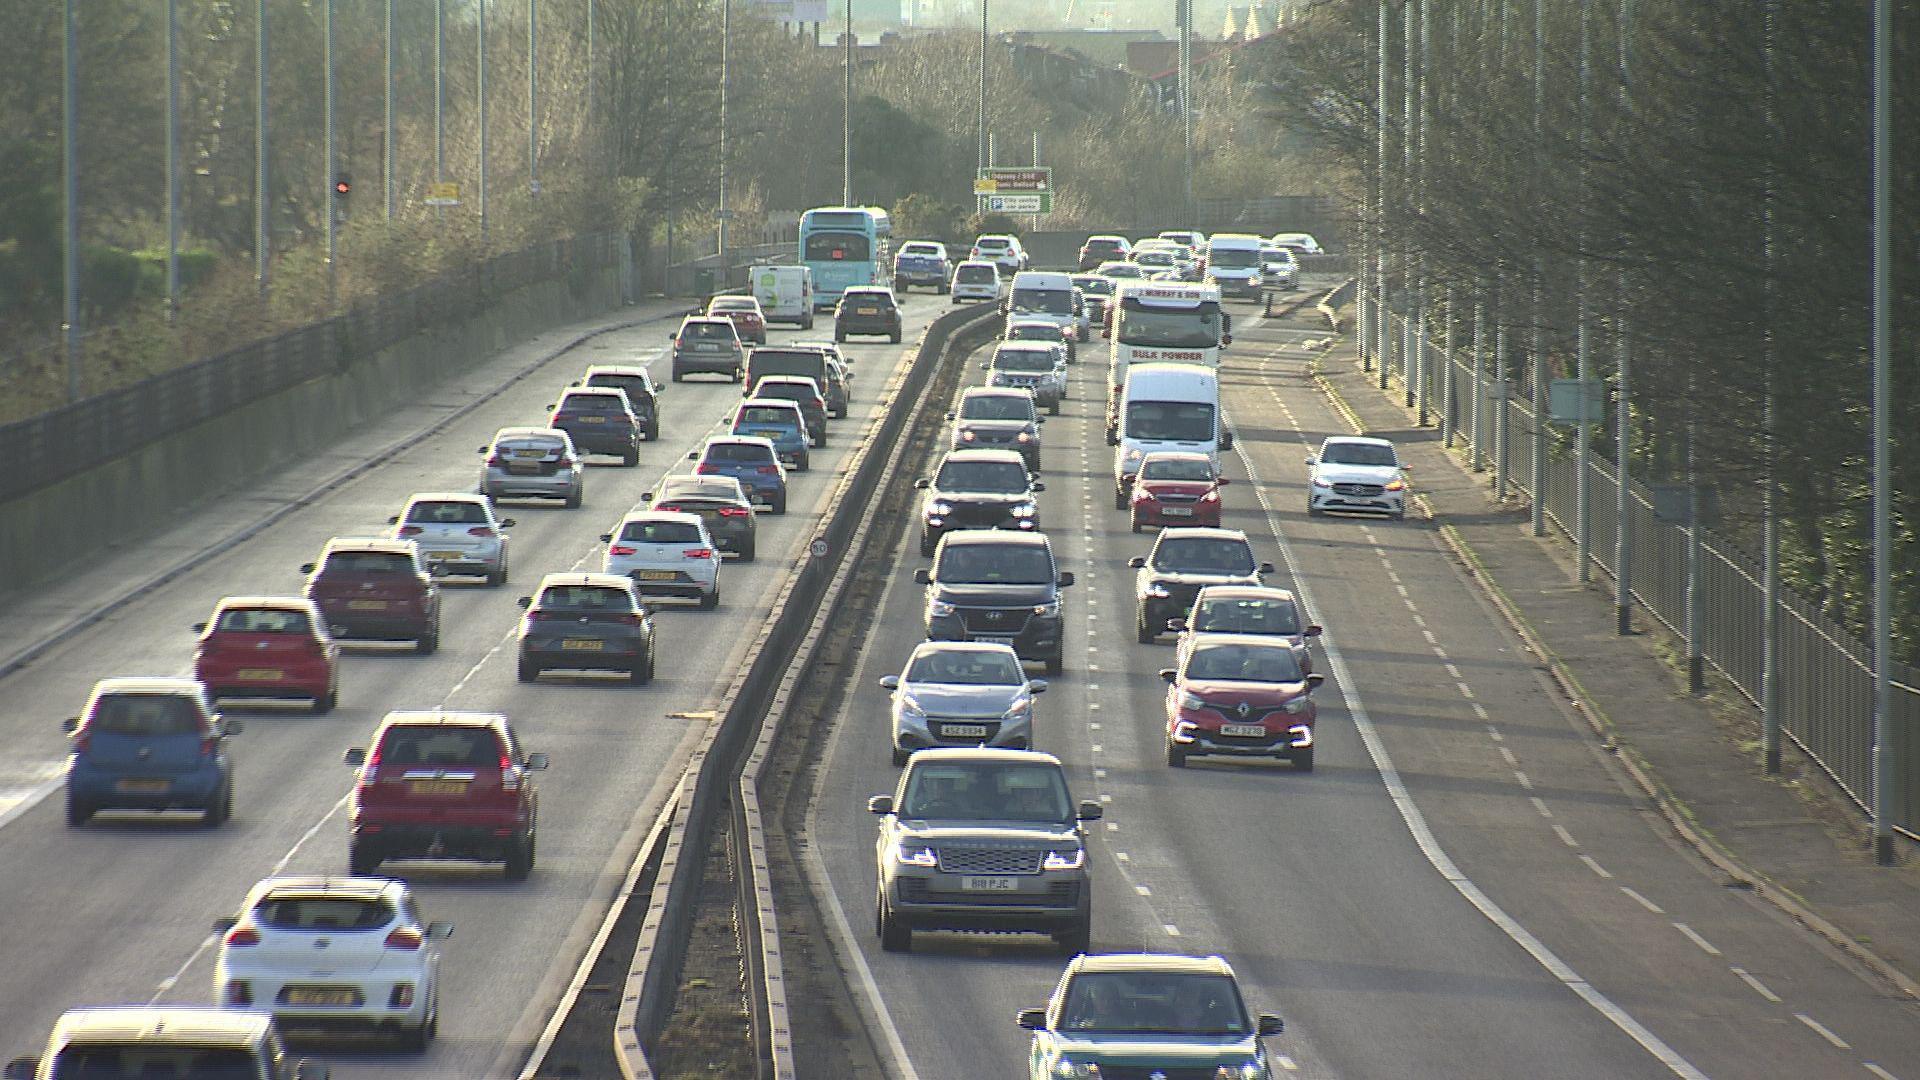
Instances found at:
x=995 y=585
x=600 y=420
x=643 y=394
x=867 y=310
x=978 y=489
x=1182 y=563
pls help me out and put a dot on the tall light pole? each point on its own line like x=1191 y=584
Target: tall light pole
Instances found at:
x=981 y=123
x=591 y=21
x=439 y=96
x=1186 y=98
x=1884 y=761
x=1623 y=407
x=726 y=80
x=480 y=92
x=262 y=201
x=70 y=181
x=333 y=211
x=386 y=154
x=1539 y=336
x=1583 y=446
x=533 y=97
x=173 y=159
x=846 y=122
x=1769 y=505
x=1384 y=350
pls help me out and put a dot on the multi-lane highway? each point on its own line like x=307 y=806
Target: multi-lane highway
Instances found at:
x=121 y=911
x=1464 y=887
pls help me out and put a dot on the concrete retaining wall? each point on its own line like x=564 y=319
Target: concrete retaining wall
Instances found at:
x=54 y=527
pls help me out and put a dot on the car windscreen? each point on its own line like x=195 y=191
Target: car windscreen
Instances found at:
x=145 y=715
x=927 y=250
x=592 y=403
x=263 y=621
x=1153 y=258
x=972 y=667
x=788 y=391
x=661 y=532
x=767 y=415
x=1094 y=286
x=1170 y=421
x=634 y=385
x=709 y=331
x=1169 y=327
x=739 y=452
x=976 y=275
x=447 y=513
x=997 y=407
x=1096 y=245
x=727 y=305
x=995 y=564
x=1357 y=454
x=1023 y=360
x=992 y=477
x=134 y=1061
x=1244 y=663
x=868 y=298
x=368 y=562
x=1234 y=258
x=1153 y=1003
x=836 y=247
x=439 y=745
x=322 y=912
x=1203 y=555
x=1049 y=301
x=1034 y=332
x=987 y=791
x=529 y=447
x=1246 y=616
x=1161 y=468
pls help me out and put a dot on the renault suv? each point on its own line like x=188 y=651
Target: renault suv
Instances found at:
x=1240 y=695
x=1146 y=1015
x=982 y=840
x=376 y=588
x=443 y=785
x=1184 y=561
x=149 y=744
x=998 y=586
x=978 y=489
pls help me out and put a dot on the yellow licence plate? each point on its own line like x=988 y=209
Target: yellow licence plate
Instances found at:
x=866 y=311
x=367 y=605
x=583 y=645
x=530 y=453
x=322 y=997
x=437 y=787
x=261 y=674
x=444 y=556
x=593 y=419
x=657 y=575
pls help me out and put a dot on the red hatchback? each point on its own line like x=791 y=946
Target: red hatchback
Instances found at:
x=268 y=647
x=1176 y=488
x=1240 y=695
x=444 y=785
x=744 y=312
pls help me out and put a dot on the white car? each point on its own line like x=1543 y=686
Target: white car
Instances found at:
x=1304 y=243
x=457 y=533
x=334 y=950
x=1001 y=249
x=1121 y=270
x=665 y=553
x=1279 y=266
x=976 y=279
x=1355 y=473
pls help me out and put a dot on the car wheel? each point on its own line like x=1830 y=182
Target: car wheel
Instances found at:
x=361 y=860
x=1303 y=759
x=642 y=673
x=1057 y=663
x=630 y=456
x=900 y=757
x=678 y=375
x=497 y=578
x=220 y=810
x=430 y=641
x=746 y=552
x=894 y=337
x=529 y=671
x=780 y=503
x=895 y=936
x=1136 y=524
x=1312 y=510
x=806 y=462
x=927 y=543
x=1141 y=630
x=1119 y=499
x=711 y=600
x=79 y=811
x=1077 y=940
x=573 y=500
x=808 y=324
x=416 y=1038
x=519 y=861
x=820 y=441
x=326 y=702
x=1176 y=757
x=1053 y=407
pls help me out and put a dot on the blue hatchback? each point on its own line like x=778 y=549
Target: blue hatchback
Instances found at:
x=149 y=744
x=780 y=422
x=750 y=459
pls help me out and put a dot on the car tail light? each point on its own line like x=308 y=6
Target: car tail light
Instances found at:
x=702 y=467
x=698 y=553
x=209 y=743
x=496 y=461
x=565 y=462
x=480 y=530
x=621 y=549
x=668 y=507
x=81 y=740
x=406 y=938
x=409 y=530
x=509 y=776
x=768 y=470
x=242 y=936
x=370 y=772
x=628 y=619
x=734 y=511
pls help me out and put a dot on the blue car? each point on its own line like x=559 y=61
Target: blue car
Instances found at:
x=749 y=459
x=780 y=422
x=149 y=744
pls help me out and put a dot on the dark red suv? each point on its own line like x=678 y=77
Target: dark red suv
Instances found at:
x=370 y=587
x=444 y=785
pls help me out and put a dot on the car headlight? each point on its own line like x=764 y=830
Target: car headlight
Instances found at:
x=908 y=853
x=911 y=706
x=1157 y=590
x=1396 y=485
x=939 y=508
x=1319 y=483
x=1246 y=1070
x=1296 y=706
x=1025 y=436
x=1019 y=708
x=1048 y=610
x=1072 y=859
x=1132 y=455
x=939 y=608
x=1190 y=701
x=1253 y=279
x=1026 y=510
x=1076 y=1070
x=968 y=436
x=1211 y=496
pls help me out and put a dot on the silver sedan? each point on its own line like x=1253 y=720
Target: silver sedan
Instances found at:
x=961 y=693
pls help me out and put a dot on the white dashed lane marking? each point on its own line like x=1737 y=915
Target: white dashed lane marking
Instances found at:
x=1758 y=986
x=1823 y=1031
x=1694 y=936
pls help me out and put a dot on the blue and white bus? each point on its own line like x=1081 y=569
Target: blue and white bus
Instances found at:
x=844 y=246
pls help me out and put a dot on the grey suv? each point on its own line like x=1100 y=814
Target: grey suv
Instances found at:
x=983 y=840
x=1183 y=562
x=998 y=585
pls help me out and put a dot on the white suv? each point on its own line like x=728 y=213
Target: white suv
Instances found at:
x=976 y=279
x=1003 y=250
x=457 y=533
x=667 y=553
x=382 y=958
x=1354 y=473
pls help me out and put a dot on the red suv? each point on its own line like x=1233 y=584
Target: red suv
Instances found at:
x=370 y=587
x=1240 y=695
x=268 y=647
x=444 y=785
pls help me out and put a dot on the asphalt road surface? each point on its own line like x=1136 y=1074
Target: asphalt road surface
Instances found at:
x=121 y=910
x=1465 y=887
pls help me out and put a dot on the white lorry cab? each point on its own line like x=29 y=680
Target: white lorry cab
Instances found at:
x=785 y=292
x=1156 y=322
x=1041 y=294
x=1234 y=265
x=1166 y=407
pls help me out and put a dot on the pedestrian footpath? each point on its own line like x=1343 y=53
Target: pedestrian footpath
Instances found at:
x=1794 y=838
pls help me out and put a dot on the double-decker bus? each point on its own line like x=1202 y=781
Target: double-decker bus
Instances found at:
x=844 y=246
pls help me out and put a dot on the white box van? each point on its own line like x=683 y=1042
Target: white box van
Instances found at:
x=1166 y=407
x=785 y=292
x=1043 y=295
x=1234 y=265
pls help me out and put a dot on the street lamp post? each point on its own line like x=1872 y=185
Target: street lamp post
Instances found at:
x=480 y=92
x=70 y=181
x=261 y=220
x=1885 y=761
x=386 y=155
x=846 y=123
x=726 y=81
x=533 y=97
x=173 y=159
x=327 y=153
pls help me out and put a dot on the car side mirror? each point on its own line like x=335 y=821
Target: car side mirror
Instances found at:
x=693 y=455
x=1091 y=811
x=1032 y=1019
x=605 y=538
x=507 y=523
x=1037 y=686
x=1178 y=626
x=306 y=568
x=1039 y=419
x=535 y=761
x=920 y=484
x=645 y=496
x=880 y=804
x=921 y=577
x=1138 y=562
x=1406 y=468
x=22 y=1068
x=481 y=450
x=1064 y=578
x=394 y=520
x=1314 y=679
x=1221 y=481
x=440 y=929
x=355 y=757
x=889 y=682
x=525 y=601
x=1312 y=630
x=310 y=1070
x=1039 y=485
x=984 y=367
x=1312 y=461
x=1271 y=1024
x=1266 y=568
x=225 y=923
x=1168 y=674
x=950 y=416
x=199 y=628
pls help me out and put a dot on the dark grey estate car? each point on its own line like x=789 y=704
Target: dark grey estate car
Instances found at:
x=586 y=622
x=720 y=501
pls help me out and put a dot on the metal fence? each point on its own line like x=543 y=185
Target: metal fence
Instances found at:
x=1824 y=690
x=48 y=448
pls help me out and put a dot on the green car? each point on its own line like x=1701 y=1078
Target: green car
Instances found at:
x=1148 y=1015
